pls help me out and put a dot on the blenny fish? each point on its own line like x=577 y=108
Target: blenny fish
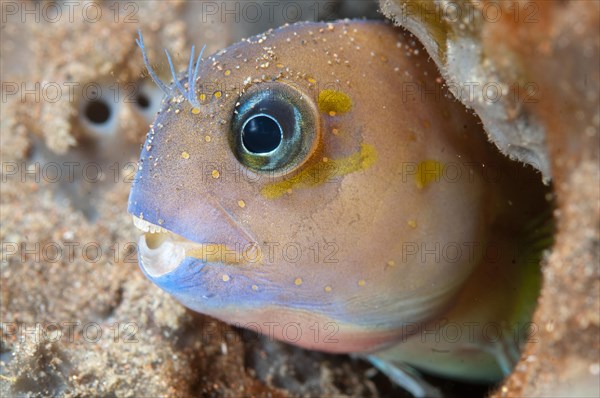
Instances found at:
x=318 y=184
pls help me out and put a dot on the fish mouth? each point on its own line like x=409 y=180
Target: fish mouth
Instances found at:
x=161 y=251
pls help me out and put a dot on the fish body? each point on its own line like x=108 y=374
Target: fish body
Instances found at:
x=316 y=183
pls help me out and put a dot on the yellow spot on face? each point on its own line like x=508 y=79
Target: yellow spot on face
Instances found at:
x=215 y=174
x=280 y=66
x=218 y=94
x=185 y=155
x=311 y=80
x=335 y=132
x=325 y=159
x=225 y=278
x=255 y=288
x=298 y=281
x=227 y=72
x=327 y=288
x=391 y=263
x=412 y=223
x=241 y=203
x=215 y=253
x=332 y=113
x=428 y=171
x=317 y=173
x=196 y=111
x=202 y=98
x=334 y=101
x=207 y=138
x=362 y=282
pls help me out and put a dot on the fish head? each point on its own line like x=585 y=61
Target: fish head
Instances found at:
x=298 y=180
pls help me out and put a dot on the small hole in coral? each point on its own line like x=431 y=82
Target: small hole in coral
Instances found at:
x=97 y=112
x=143 y=101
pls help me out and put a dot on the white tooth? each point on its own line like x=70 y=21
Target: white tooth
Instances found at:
x=146 y=226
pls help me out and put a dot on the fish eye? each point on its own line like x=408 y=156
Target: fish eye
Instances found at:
x=274 y=128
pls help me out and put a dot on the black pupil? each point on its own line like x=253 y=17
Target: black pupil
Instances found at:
x=97 y=112
x=261 y=134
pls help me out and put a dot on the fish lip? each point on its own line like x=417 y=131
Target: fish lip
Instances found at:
x=167 y=255
x=159 y=261
x=205 y=221
x=169 y=250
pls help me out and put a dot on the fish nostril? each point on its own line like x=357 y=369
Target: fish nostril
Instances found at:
x=97 y=112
